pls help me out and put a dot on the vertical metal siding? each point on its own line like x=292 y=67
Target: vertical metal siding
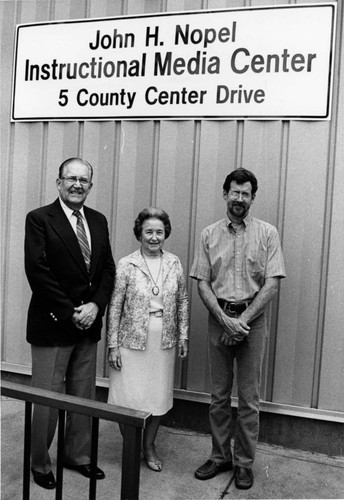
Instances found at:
x=181 y=166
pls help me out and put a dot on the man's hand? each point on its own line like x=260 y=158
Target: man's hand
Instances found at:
x=235 y=329
x=227 y=340
x=85 y=315
x=75 y=321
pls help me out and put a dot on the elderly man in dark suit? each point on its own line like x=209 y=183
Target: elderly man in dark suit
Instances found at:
x=69 y=266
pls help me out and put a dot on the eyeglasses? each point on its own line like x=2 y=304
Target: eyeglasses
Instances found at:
x=73 y=180
x=235 y=195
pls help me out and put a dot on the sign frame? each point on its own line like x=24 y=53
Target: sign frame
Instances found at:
x=17 y=114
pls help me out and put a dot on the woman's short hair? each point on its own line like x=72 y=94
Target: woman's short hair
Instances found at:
x=151 y=213
x=240 y=176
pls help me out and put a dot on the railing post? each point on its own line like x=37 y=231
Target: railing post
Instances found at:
x=94 y=458
x=60 y=452
x=131 y=458
x=132 y=434
x=27 y=450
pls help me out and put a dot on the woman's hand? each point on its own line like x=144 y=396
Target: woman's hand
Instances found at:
x=114 y=358
x=183 y=349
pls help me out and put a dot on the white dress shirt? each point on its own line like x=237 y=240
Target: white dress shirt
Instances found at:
x=73 y=220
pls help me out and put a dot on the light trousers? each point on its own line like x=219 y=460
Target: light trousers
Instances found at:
x=248 y=354
x=70 y=369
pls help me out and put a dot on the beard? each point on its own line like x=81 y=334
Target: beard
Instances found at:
x=237 y=209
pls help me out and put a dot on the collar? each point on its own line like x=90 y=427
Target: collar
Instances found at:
x=136 y=258
x=246 y=221
x=68 y=211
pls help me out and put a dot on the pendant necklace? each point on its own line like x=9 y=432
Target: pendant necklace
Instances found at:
x=155 y=288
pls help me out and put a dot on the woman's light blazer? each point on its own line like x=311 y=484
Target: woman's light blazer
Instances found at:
x=128 y=312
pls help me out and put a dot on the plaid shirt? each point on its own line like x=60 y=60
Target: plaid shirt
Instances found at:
x=237 y=263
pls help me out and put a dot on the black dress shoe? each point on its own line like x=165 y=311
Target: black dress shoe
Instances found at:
x=211 y=469
x=46 y=481
x=85 y=470
x=243 y=478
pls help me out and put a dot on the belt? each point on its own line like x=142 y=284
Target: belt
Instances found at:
x=233 y=307
x=157 y=314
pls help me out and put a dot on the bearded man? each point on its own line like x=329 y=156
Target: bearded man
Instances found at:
x=238 y=266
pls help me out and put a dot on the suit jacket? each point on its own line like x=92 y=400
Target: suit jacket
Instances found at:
x=128 y=312
x=58 y=277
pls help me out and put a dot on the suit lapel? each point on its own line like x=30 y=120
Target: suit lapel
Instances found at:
x=139 y=262
x=167 y=265
x=63 y=228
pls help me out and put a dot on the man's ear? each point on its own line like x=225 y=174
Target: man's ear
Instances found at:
x=225 y=195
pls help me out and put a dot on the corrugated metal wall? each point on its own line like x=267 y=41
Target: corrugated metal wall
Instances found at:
x=180 y=166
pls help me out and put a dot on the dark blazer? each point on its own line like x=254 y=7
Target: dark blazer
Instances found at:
x=58 y=277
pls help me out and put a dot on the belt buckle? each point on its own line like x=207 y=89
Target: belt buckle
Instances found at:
x=229 y=308
x=236 y=308
x=158 y=314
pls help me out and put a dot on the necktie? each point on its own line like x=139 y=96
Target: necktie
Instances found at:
x=82 y=238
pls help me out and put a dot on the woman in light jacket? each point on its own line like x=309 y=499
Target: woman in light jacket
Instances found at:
x=147 y=322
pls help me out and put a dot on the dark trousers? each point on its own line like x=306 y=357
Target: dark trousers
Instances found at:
x=71 y=369
x=249 y=355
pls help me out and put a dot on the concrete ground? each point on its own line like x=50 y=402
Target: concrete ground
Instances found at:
x=278 y=472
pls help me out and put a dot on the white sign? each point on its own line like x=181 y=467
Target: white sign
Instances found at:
x=258 y=63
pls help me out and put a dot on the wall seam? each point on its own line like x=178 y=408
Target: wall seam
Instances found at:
x=280 y=227
x=17 y=16
x=326 y=243
x=155 y=162
x=192 y=216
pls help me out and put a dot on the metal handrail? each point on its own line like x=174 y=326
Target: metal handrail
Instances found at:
x=132 y=422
